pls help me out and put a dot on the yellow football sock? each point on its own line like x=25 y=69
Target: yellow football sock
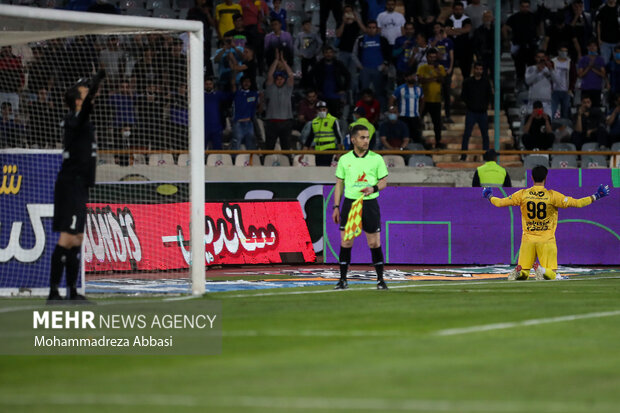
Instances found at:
x=525 y=274
x=548 y=273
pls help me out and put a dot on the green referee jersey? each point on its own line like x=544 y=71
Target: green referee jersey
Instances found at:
x=359 y=172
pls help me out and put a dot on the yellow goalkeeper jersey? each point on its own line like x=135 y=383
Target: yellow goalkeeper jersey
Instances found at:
x=539 y=210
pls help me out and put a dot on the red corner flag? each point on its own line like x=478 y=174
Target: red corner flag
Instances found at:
x=353 y=228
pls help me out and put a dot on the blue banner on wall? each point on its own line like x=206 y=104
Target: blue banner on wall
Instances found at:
x=26 y=211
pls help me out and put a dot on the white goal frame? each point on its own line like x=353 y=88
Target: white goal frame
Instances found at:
x=19 y=25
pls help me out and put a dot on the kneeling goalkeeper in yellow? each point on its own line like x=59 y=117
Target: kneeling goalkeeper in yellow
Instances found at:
x=539 y=218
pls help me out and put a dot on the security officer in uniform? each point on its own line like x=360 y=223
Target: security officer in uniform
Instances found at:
x=76 y=176
x=359 y=117
x=325 y=134
x=491 y=174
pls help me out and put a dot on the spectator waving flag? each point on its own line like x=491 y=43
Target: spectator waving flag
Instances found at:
x=353 y=228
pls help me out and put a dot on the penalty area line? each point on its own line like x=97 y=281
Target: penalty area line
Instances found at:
x=525 y=323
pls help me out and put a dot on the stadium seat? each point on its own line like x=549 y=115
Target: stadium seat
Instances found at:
x=593 y=161
x=219 y=159
x=419 y=161
x=157 y=4
x=615 y=147
x=394 y=161
x=182 y=4
x=590 y=146
x=131 y=4
x=138 y=159
x=304 y=160
x=138 y=12
x=166 y=13
x=531 y=161
x=105 y=159
x=414 y=146
x=183 y=14
x=564 y=146
x=564 y=161
x=183 y=160
x=276 y=160
x=244 y=160
x=161 y=159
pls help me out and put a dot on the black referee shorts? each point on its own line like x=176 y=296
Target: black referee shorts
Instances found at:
x=371 y=216
x=70 y=198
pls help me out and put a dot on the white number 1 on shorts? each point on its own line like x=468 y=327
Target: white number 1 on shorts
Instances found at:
x=73 y=222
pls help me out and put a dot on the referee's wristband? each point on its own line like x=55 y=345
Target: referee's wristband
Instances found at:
x=375 y=188
x=336 y=206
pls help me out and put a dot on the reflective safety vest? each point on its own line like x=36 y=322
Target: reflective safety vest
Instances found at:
x=491 y=174
x=365 y=122
x=324 y=136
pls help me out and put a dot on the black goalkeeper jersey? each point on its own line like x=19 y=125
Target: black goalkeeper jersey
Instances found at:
x=80 y=148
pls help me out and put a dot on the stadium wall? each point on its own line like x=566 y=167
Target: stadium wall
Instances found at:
x=458 y=226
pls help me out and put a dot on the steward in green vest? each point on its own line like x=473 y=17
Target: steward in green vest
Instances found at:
x=359 y=117
x=491 y=174
x=325 y=134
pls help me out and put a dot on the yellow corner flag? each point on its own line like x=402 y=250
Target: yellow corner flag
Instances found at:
x=353 y=228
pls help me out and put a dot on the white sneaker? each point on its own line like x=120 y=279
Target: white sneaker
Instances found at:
x=540 y=271
x=514 y=274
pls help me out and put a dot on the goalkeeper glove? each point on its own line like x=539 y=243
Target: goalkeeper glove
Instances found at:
x=487 y=193
x=601 y=192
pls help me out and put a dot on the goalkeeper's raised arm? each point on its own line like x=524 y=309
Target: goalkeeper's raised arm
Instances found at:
x=512 y=200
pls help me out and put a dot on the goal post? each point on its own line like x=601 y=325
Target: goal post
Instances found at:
x=26 y=26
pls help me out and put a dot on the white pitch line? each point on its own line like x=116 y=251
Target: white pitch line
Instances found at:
x=423 y=284
x=303 y=403
x=525 y=323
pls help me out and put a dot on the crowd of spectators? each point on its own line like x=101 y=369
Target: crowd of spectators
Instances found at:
x=269 y=77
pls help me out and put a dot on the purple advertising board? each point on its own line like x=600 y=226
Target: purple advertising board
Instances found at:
x=458 y=226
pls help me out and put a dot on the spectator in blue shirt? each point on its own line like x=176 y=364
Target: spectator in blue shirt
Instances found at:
x=409 y=99
x=445 y=57
x=213 y=116
x=402 y=52
x=245 y=103
x=373 y=54
x=278 y=13
x=122 y=103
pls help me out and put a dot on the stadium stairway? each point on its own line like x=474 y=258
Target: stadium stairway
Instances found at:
x=452 y=135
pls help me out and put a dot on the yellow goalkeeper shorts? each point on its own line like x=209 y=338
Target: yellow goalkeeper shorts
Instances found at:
x=547 y=253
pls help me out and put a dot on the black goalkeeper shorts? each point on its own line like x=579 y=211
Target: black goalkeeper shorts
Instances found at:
x=70 y=198
x=371 y=216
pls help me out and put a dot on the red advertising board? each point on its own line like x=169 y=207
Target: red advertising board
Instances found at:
x=133 y=237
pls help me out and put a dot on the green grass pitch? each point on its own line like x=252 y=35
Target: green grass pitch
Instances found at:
x=421 y=347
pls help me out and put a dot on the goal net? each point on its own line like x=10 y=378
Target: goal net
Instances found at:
x=148 y=201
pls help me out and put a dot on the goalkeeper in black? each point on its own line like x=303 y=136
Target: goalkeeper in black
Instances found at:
x=76 y=176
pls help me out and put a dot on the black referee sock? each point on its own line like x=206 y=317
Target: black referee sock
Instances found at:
x=59 y=259
x=377 y=260
x=345 y=260
x=73 y=267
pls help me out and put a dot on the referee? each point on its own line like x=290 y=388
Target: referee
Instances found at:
x=77 y=174
x=360 y=171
